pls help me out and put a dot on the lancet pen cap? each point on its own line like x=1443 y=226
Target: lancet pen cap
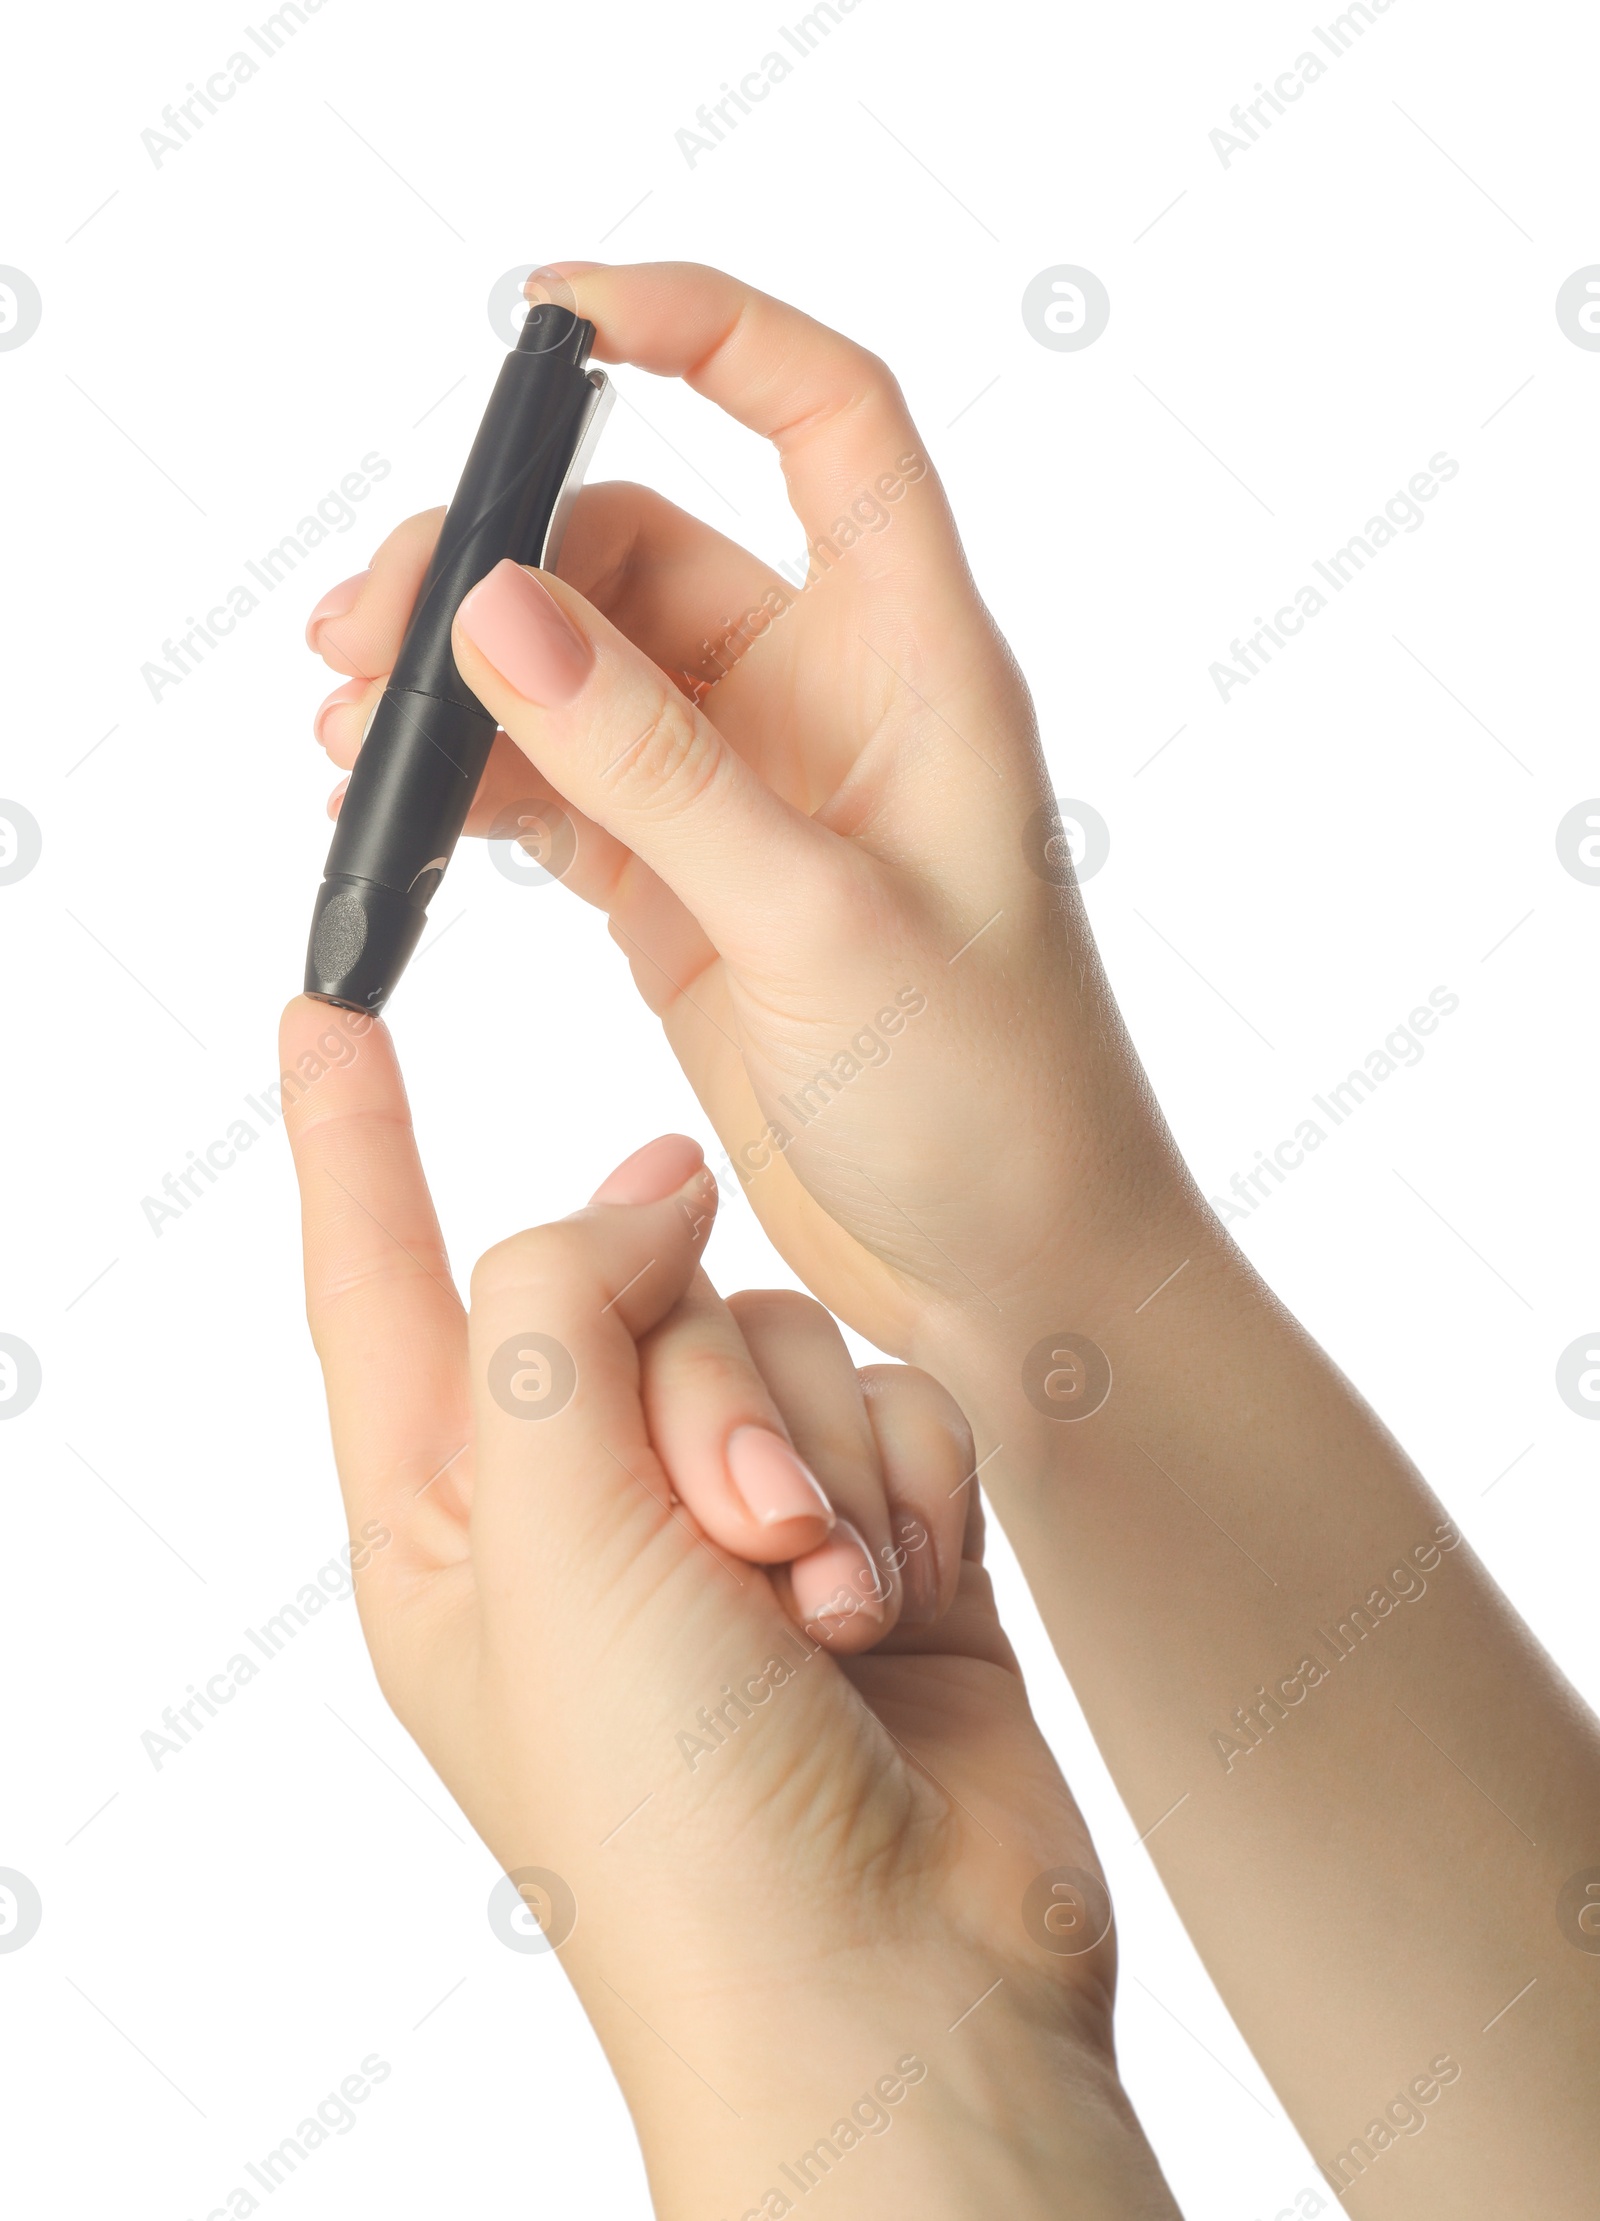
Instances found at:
x=362 y=938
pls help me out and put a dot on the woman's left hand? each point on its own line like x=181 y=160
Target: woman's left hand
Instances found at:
x=787 y=1873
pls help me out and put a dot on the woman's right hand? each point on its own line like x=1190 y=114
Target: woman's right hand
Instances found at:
x=819 y=823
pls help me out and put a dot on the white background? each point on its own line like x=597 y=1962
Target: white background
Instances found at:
x=223 y=338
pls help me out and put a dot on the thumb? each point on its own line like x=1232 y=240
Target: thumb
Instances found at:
x=581 y=1549
x=552 y=1342
x=633 y=753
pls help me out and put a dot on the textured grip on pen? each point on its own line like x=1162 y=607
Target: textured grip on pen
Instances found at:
x=362 y=936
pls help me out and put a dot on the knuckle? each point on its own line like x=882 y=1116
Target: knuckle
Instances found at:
x=711 y=1374
x=783 y=1310
x=922 y=1393
x=621 y=500
x=853 y=377
x=875 y=374
x=540 y=1257
x=410 y=540
x=672 y=762
x=874 y=391
x=498 y=1270
x=977 y=1586
x=610 y=521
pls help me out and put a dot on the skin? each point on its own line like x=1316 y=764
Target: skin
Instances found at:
x=850 y=810
x=774 y=1928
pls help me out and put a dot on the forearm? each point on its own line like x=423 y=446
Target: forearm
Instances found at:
x=1366 y=1785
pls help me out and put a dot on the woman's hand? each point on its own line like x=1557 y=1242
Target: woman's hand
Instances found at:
x=807 y=1897
x=855 y=814
x=819 y=823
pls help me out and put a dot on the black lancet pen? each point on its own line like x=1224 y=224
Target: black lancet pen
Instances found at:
x=429 y=737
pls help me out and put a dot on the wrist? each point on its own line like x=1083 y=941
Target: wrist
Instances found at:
x=1084 y=1321
x=1016 y=2109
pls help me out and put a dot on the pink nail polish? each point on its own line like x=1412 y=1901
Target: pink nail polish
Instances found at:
x=338 y=601
x=839 y=1582
x=351 y=691
x=519 y=626
x=652 y=1173
x=774 y=1482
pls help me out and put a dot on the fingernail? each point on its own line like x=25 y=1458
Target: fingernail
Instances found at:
x=775 y=1484
x=919 y=1569
x=519 y=625
x=351 y=691
x=844 y=1572
x=652 y=1173
x=337 y=797
x=559 y=271
x=338 y=601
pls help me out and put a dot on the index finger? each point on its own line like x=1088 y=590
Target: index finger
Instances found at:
x=833 y=410
x=387 y=1322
